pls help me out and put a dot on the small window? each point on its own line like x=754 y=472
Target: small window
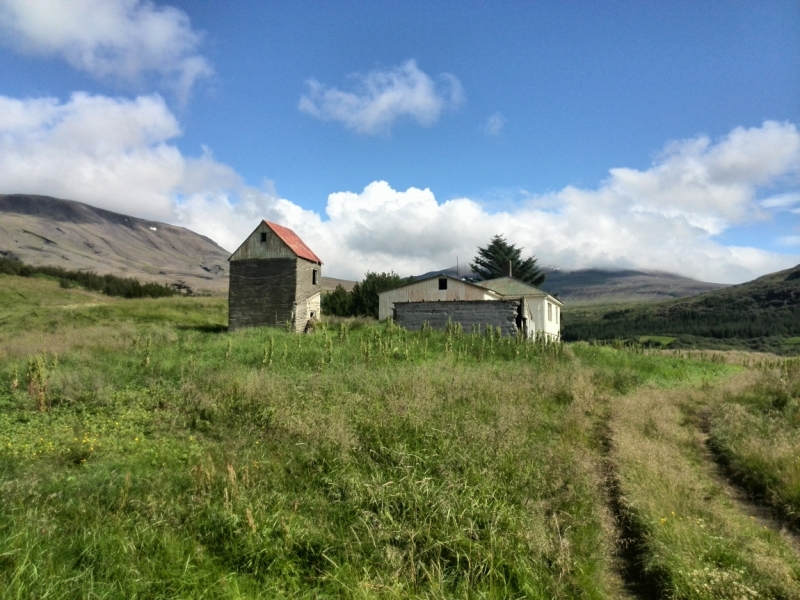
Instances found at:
x=263 y=237
x=557 y=311
x=549 y=312
x=443 y=283
x=314 y=277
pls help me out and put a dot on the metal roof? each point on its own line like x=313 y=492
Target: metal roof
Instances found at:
x=291 y=239
x=508 y=286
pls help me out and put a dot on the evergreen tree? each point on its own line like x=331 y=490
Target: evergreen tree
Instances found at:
x=489 y=262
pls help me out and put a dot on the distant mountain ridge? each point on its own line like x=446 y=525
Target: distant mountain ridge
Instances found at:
x=41 y=230
x=608 y=285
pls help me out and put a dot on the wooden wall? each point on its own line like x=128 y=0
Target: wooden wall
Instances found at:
x=273 y=291
x=253 y=247
x=261 y=292
x=497 y=313
x=428 y=290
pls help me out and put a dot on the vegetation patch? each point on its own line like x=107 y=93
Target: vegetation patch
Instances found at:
x=756 y=434
x=145 y=451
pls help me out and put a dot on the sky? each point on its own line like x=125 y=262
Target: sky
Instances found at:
x=402 y=136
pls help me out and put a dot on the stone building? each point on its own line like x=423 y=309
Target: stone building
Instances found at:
x=275 y=278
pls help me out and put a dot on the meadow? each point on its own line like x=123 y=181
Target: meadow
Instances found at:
x=147 y=452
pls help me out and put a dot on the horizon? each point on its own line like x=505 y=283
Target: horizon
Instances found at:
x=651 y=138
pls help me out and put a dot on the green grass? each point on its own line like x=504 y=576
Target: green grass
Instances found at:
x=756 y=433
x=695 y=541
x=663 y=340
x=145 y=451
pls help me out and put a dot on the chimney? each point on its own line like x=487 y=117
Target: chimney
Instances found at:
x=506 y=269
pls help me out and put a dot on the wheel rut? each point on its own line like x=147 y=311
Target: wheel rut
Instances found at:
x=744 y=500
x=630 y=551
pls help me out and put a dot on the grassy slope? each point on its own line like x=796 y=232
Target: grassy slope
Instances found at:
x=174 y=459
x=763 y=314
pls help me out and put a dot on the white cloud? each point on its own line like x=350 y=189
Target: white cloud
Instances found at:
x=495 y=123
x=119 y=154
x=382 y=97
x=786 y=200
x=118 y=39
x=789 y=240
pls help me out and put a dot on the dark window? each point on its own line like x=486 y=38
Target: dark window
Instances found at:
x=443 y=284
x=263 y=236
x=314 y=277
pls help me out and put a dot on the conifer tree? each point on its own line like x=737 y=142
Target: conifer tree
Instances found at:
x=489 y=262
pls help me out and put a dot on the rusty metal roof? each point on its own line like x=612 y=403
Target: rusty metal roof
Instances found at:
x=508 y=286
x=291 y=239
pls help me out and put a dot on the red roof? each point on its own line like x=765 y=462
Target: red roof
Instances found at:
x=291 y=239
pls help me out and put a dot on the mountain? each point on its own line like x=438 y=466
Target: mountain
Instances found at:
x=599 y=285
x=45 y=231
x=40 y=230
x=763 y=314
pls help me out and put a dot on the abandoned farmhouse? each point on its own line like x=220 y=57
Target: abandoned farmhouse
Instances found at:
x=508 y=303
x=275 y=279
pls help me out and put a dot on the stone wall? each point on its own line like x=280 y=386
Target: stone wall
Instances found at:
x=261 y=292
x=497 y=313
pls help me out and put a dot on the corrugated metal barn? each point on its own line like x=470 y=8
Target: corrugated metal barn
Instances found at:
x=275 y=278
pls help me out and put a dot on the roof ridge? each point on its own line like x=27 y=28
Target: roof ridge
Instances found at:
x=295 y=243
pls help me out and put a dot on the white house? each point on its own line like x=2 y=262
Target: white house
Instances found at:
x=543 y=310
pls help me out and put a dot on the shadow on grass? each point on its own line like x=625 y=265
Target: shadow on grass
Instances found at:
x=217 y=328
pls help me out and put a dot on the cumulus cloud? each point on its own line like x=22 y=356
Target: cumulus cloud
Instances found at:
x=383 y=96
x=120 y=154
x=117 y=39
x=494 y=124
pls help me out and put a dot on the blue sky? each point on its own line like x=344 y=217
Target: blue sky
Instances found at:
x=402 y=135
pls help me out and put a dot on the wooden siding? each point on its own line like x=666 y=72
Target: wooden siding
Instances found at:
x=479 y=314
x=262 y=292
x=428 y=290
x=253 y=247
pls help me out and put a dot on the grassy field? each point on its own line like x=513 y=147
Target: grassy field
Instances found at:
x=145 y=451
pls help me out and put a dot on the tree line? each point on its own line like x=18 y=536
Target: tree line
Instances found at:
x=717 y=324
x=110 y=285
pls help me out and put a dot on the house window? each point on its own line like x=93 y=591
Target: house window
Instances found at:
x=443 y=284
x=263 y=237
x=314 y=277
x=557 y=312
x=549 y=312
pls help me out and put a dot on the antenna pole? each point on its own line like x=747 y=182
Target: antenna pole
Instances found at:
x=458 y=273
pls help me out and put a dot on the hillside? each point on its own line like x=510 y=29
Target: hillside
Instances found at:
x=40 y=230
x=762 y=314
x=45 y=231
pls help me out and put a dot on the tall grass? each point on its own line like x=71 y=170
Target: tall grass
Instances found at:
x=145 y=451
x=756 y=434
x=694 y=541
